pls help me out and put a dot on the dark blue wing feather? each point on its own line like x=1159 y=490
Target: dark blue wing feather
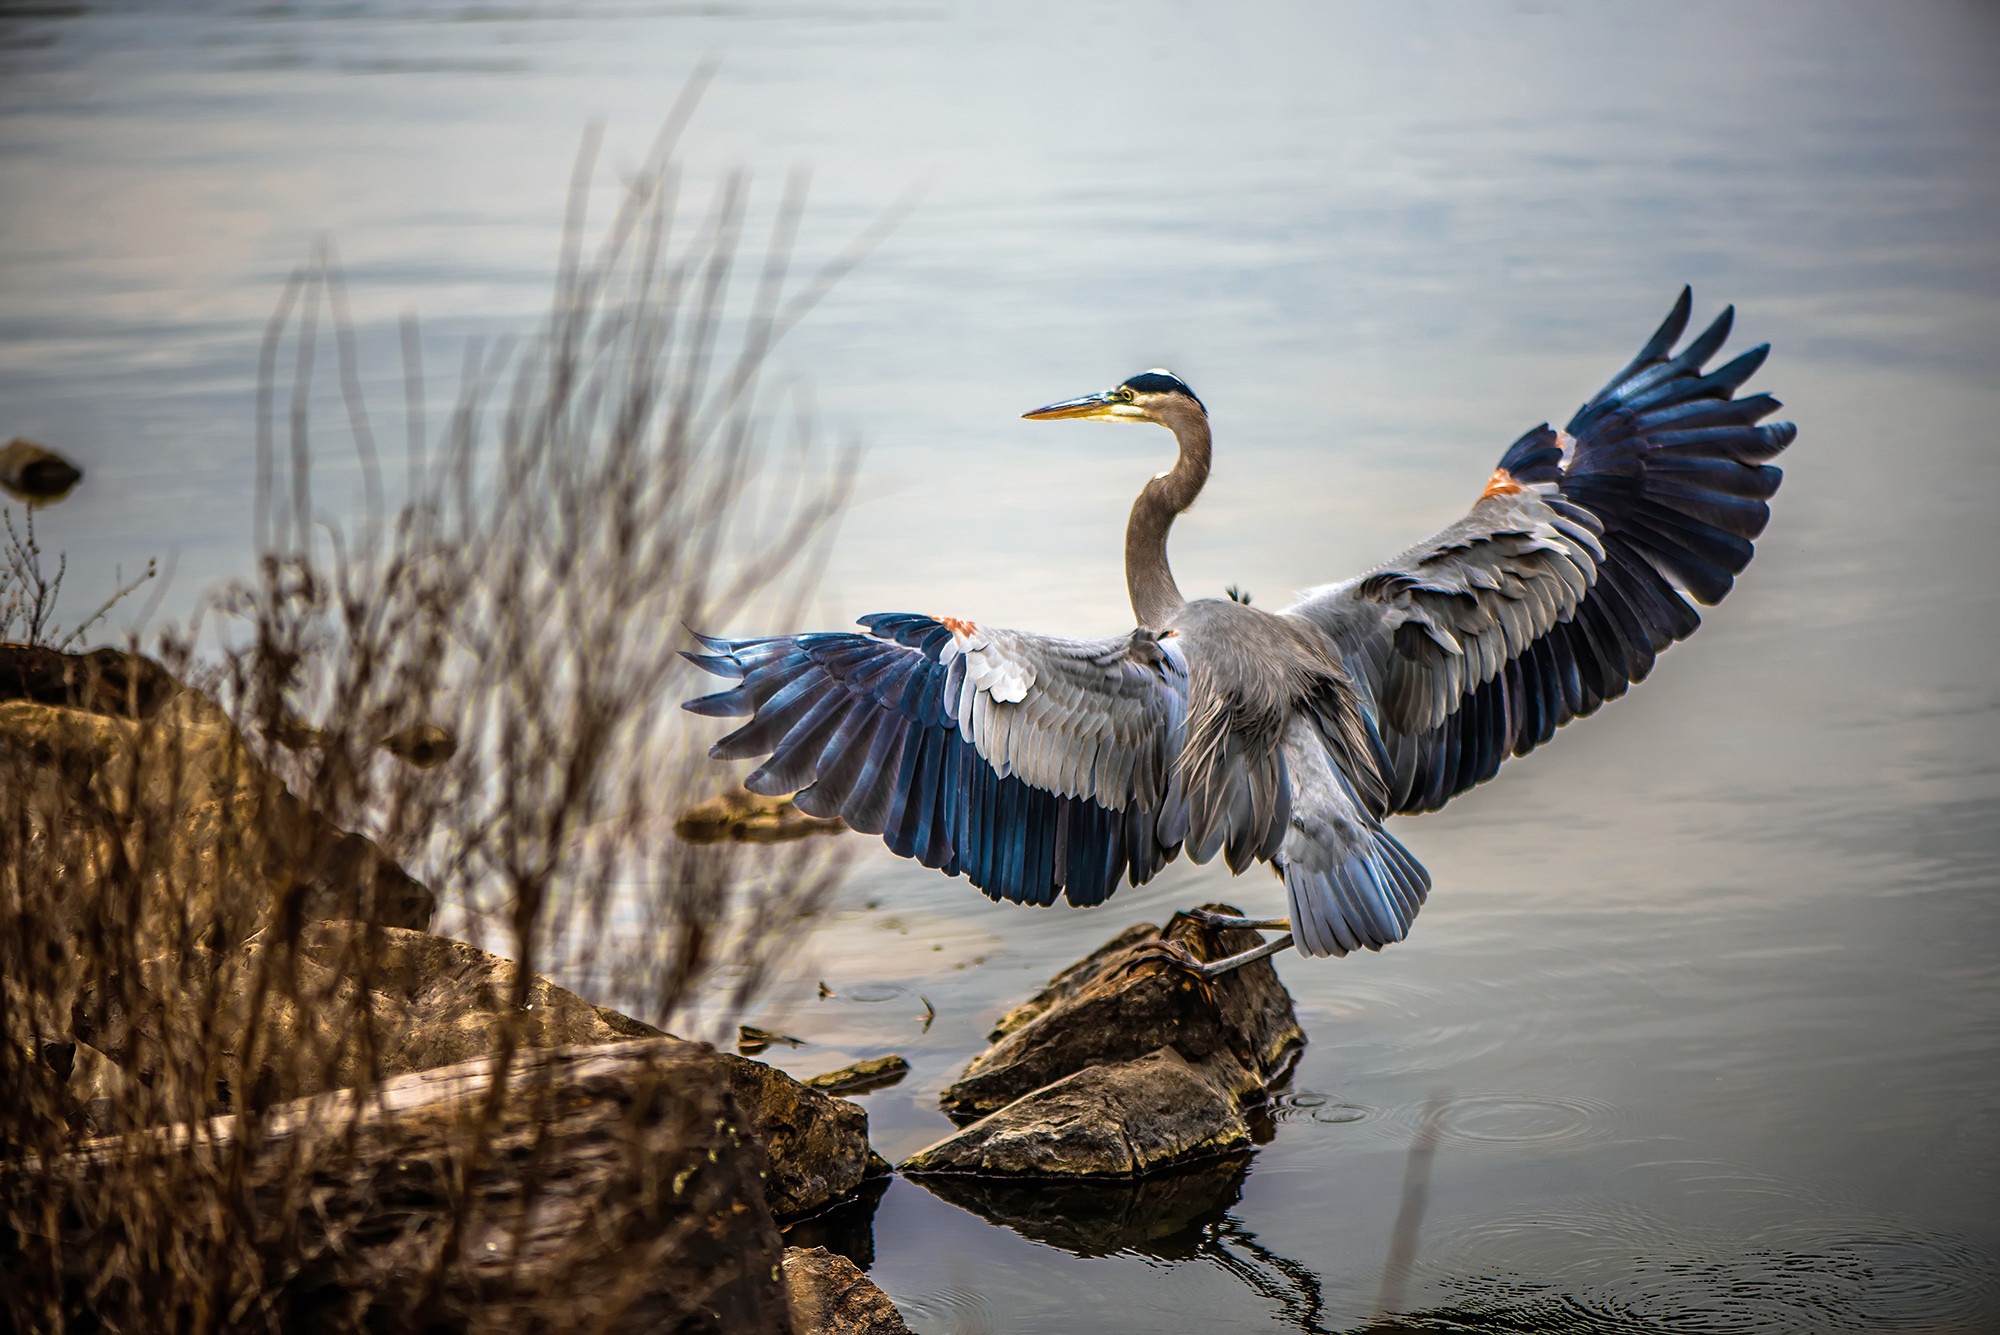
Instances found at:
x=1671 y=473
x=860 y=726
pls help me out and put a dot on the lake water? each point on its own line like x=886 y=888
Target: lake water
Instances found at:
x=1707 y=989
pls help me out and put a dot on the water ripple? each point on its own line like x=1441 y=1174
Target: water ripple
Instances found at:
x=1308 y=1105
x=872 y=992
x=1509 y=1118
x=1590 y=1268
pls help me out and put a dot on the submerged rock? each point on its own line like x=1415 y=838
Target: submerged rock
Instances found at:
x=831 y=1296
x=862 y=1076
x=1123 y=1065
x=749 y=817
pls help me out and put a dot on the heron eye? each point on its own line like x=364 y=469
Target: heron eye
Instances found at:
x=1126 y=394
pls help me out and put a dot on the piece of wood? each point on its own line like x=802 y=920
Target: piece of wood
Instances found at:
x=616 y=1187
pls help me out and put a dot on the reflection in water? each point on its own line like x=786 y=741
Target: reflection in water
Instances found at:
x=1649 y=1280
x=1174 y=1217
x=847 y=1229
x=1294 y=1288
x=1621 y=1270
x=1410 y=1213
x=1166 y=1216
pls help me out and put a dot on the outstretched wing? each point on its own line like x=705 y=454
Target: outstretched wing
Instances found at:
x=1571 y=573
x=1031 y=764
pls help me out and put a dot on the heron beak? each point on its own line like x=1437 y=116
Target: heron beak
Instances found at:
x=1090 y=405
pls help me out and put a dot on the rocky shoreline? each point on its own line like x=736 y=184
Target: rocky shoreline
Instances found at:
x=1120 y=1070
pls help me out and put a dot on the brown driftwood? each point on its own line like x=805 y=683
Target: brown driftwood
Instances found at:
x=616 y=1187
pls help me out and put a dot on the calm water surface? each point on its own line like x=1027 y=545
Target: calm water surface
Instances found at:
x=1708 y=987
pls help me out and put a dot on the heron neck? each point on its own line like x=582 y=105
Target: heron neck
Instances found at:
x=1155 y=596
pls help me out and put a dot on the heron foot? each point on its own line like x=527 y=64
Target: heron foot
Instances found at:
x=1211 y=919
x=1176 y=955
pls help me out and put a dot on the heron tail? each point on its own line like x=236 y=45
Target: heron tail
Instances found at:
x=1366 y=898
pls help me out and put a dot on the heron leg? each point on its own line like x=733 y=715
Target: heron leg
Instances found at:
x=1176 y=955
x=1216 y=968
x=1210 y=918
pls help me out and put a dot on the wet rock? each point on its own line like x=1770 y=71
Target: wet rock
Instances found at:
x=1166 y=1215
x=31 y=472
x=818 y=1144
x=831 y=1296
x=1125 y=1119
x=1116 y=1005
x=750 y=818
x=1123 y=1065
x=862 y=1076
x=648 y=1210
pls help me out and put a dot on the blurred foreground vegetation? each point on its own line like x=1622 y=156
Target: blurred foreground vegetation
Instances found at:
x=221 y=995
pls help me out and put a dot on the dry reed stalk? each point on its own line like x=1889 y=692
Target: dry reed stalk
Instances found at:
x=627 y=472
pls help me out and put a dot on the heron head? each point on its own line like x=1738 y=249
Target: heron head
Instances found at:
x=1150 y=396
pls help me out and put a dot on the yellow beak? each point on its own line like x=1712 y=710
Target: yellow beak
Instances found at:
x=1090 y=405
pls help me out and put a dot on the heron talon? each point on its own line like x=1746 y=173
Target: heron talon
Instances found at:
x=1171 y=953
x=1177 y=958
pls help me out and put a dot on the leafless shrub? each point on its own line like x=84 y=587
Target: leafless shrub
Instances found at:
x=627 y=472
x=28 y=592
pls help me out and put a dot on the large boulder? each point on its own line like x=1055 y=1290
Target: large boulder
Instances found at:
x=135 y=822
x=340 y=1004
x=345 y=1003
x=142 y=810
x=611 y=1188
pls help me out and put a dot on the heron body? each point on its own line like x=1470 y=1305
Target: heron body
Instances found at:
x=1037 y=766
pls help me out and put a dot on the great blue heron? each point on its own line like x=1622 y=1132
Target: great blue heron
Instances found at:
x=1037 y=766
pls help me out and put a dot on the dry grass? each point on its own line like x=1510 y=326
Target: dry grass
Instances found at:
x=626 y=472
